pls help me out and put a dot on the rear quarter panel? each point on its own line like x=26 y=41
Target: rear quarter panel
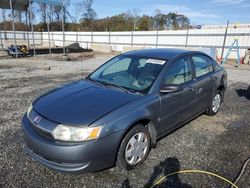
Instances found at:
x=221 y=80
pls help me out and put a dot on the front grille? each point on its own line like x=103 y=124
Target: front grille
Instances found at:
x=38 y=122
x=41 y=132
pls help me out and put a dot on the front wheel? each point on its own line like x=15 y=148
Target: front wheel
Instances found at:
x=134 y=148
x=214 y=105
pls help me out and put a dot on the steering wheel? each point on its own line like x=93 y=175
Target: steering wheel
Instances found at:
x=147 y=80
x=120 y=78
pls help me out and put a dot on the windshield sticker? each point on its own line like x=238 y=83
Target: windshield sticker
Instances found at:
x=156 y=61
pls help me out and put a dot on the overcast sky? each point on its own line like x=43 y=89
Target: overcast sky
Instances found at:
x=199 y=11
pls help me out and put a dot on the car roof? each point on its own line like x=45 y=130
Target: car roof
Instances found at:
x=157 y=53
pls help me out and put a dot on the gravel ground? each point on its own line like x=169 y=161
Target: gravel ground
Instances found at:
x=218 y=144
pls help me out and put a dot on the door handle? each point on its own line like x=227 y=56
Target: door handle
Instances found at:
x=199 y=90
x=190 y=88
x=213 y=78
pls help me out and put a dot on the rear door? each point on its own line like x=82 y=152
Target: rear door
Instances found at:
x=177 y=107
x=205 y=80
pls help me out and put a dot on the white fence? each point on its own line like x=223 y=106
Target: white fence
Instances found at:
x=195 y=38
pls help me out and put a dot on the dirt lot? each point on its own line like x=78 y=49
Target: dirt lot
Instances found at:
x=218 y=144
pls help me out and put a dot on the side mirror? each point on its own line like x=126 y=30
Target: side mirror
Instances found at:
x=170 y=88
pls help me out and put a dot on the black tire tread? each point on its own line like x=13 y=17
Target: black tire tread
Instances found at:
x=209 y=110
x=121 y=162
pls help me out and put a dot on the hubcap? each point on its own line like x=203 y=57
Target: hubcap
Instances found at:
x=216 y=103
x=136 y=148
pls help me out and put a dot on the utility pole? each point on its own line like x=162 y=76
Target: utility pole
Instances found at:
x=13 y=27
x=1 y=39
x=224 y=41
x=27 y=28
x=32 y=27
x=63 y=29
x=48 y=29
x=4 y=27
x=187 y=35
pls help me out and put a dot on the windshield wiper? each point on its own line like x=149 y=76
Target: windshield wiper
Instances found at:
x=95 y=81
x=120 y=87
x=109 y=84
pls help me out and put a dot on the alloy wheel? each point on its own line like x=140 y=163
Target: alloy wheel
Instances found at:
x=216 y=103
x=136 y=148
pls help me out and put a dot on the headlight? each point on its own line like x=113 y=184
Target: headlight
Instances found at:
x=29 y=109
x=76 y=134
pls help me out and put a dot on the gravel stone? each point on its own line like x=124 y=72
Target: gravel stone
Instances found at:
x=218 y=144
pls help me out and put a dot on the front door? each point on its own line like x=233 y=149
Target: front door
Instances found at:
x=177 y=107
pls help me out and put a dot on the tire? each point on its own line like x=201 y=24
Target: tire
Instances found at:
x=215 y=104
x=131 y=155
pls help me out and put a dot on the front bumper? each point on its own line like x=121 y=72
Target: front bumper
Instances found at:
x=82 y=157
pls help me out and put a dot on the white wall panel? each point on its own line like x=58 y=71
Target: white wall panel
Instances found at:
x=212 y=37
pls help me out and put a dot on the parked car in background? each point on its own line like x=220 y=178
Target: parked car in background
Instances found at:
x=117 y=114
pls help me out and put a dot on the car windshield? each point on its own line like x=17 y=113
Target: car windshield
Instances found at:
x=129 y=72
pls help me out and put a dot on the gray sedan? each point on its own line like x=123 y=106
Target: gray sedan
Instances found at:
x=116 y=114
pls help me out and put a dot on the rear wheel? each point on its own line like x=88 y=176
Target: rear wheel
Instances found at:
x=134 y=148
x=214 y=105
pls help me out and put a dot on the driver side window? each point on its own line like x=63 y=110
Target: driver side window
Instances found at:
x=179 y=72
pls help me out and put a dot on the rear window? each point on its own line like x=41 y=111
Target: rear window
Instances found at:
x=216 y=65
x=202 y=65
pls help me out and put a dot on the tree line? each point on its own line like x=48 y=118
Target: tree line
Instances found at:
x=84 y=18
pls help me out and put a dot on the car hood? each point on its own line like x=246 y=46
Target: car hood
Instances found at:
x=80 y=103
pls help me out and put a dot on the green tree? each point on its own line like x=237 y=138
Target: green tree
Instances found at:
x=145 y=23
x=177 y=21
x=89 y=14
x=134 y=17
x=120 y=23
x=159 y=20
